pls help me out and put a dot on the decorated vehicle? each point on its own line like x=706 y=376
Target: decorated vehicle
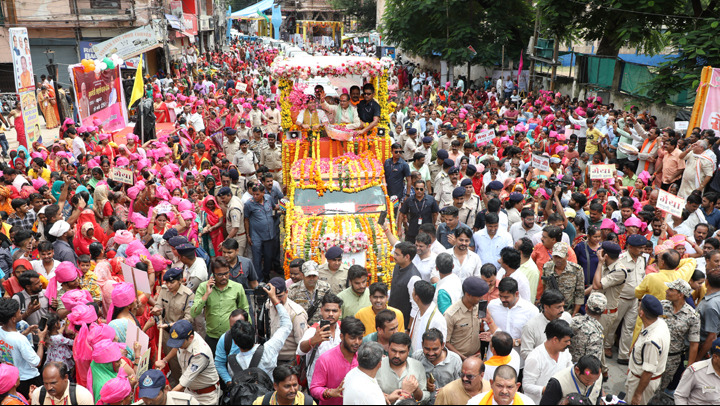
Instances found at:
x=338 y=201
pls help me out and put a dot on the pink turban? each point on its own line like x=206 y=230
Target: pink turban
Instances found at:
x=644 y=176
x=520 y=128
x=188 y=215
x=103 y=136
x=123 y=237
x=9 y=375
x=143 y=163
x=608 y=224
x=76 y=297
x=678 y=239
x=38 y=183
x=133 y=137
x=185 y=205
x=542 y=192
x=140 y=221
x=173 y=184
x=162 y=193
x=635 y=222
x=115 y=390
x=106 y=351
x=123 y=294
x=159 y=263
x=136 y=248
x=222 y=102
x=502 y=128
x=65 y=272
x=97 y=122
x=122 y=161
x=99 y=332
x=82 y=313
x=82 y=129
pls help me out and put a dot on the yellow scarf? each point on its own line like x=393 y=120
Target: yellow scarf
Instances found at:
x=487 y=399
x=311 y=119
x=497 y=360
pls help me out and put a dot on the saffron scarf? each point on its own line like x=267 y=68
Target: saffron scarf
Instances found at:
x=497 y=360
x=487 y=399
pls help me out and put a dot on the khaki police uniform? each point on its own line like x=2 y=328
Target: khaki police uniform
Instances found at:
x=235 y=218
x=470 y=208
x=445 y=142
x=699 y=385
x=245 y=162
x=175 y=307
x=199 y=376
x=612 y=281
x=463 y=326
x=435 y=169
x=176 y=398
x=627 y=312
x=336 y=280
x=271 y=158
x=649 y=354
x=298 y=318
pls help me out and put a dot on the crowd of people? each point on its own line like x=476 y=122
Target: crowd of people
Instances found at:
x=514 y=283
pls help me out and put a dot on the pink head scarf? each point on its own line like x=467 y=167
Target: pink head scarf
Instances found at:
x=140 y=221
x=65 y=272
x=9 y=375
x=136 y=247
x=122 y=161
x=76 y=297
x=635 y=222
x=124 y=237
x=106 y=351
x=123 y=295
x=82 y=315
x=608 y=224
x=115 y=390
x=99 y=332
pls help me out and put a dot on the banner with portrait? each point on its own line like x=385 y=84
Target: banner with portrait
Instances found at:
x=25 y=82
x=100 y=96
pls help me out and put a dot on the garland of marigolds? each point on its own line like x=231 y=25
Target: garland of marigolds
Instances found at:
x=286 y=86
x=381 y=84
x=349 y=173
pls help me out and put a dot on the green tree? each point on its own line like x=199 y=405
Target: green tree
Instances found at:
x=447 y=27
x=364 y=11
x=237 y=5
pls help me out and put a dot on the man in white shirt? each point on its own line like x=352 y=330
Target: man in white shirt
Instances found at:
x=424 y=259
x=503 y=390
x=311 y=117
x=509 y=263
x=193 y=119
x=527 y=227
x=361 y=387
x=428 y=315
x=78 y=145
x=533 y=334
x=449 y=288
x=510 y=312
x=465 y=262
x=547 y=359
x=491 y=239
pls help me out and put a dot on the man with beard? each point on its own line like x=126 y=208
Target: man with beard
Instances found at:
x=399 y=371
x=438 y=361
x=333 y=365
x=503 y=390
x=547 y=359
x=317 y=340
x=287 y=389
x=527 y=227
x=470 y=384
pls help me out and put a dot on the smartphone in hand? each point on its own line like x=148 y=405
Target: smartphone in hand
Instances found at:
x=482 y=309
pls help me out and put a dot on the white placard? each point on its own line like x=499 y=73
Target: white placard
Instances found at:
x=541 y=162
x=486 y=135
x=135 y=334
x=354 y=258
x=681 y=125
x=137 y=277
x=670 y=203
x=602 y=171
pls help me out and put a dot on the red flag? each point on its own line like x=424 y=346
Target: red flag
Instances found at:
x=520 y=66
x=472 y=50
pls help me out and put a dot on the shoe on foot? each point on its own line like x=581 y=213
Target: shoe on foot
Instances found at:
x=622 y=361
x=608 y=353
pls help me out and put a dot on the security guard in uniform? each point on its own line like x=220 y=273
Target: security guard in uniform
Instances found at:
x=173 y=304
x=436 y=166
x=609 y=279
x=334 y=271
x=472 y=203
x=199 y=377
x=700 y=383
x=649 y=355
x=271 y=158
x=153 y=391
x=443 y=193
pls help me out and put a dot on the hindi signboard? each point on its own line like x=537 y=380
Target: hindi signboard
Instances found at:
x=121 y=175
x=541 y=162
x=132 y=43
x=486 y=135
x=670 y=203
x=25 y=82
x=602 y=171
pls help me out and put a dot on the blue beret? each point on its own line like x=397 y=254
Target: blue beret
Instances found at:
x=516 y=197
x=470 y=170
x=448 y=163
x=244 y=141
x=652 y=305
x=461 y=135
x=454 y=169
x=442 y=154
x=495 y=185
x=715 y=349
x=465 y=182
x=172 y=232
x=230 y=131
x=224 y=191
x=427 y=139
x=637 y=240
x=177 y=241
x=475 y=286
x=279 y=284
x=412 y=131
x=334 y=252
x=458 y=192
x=173 y=274
x=611 y=248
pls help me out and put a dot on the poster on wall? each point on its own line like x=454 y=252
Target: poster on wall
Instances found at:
x=87 y=52
x=100 y=96
x=25 y=82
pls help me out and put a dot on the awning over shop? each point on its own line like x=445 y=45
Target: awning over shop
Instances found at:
x=254 y=10
x=174 y=22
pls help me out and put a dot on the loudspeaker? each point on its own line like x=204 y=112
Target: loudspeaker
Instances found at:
x=381 y=132
x=294 y=135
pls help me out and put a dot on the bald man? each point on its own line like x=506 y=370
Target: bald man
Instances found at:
x=470 y=384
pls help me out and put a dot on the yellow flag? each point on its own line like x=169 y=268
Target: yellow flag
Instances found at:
x=139 y=85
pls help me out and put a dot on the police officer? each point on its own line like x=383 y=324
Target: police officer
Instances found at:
x=472 y=203
x=588 y=332
x=684 y=324
x=308 y=293
x=334 y=271
x=246 y=161
x=271 y=158
x=173 y=304
x=436 y=166
x=649 y=355
x=700 y=383
x=154 y=391
x=199 y=377
x=608 y=280
x=446 y=184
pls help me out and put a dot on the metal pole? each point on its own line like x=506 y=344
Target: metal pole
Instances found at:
x=532 y=51
x=554 y=64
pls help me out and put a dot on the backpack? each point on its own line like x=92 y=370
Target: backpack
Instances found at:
x=73 y=394
x=199 y=252
x=247 y=384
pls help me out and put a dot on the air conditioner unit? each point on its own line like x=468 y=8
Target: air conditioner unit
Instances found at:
x=204 y=23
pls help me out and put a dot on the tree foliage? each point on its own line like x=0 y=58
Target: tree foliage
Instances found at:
x=447 y=27
x=363 y=11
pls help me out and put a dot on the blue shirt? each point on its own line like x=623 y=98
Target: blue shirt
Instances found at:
x=443 y=231
x=713 y=218
x=260 y=217
x=395 y=174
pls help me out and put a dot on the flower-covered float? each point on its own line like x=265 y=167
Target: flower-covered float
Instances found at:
x=337 y=201
x=334 y=140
